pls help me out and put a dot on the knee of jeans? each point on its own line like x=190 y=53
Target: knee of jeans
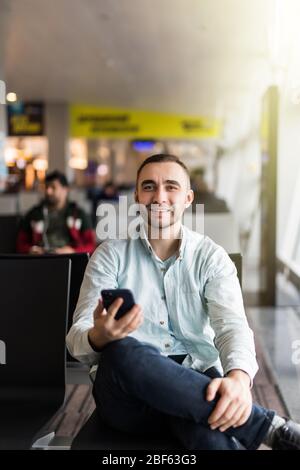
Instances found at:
x=119 y=349
x=122 y=351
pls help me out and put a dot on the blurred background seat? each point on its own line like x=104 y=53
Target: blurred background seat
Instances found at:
x=78 y=265
x=34 y=296
x=9 y=225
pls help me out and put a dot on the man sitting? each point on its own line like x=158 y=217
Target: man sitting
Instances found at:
x=56 y=225
x=184 y=355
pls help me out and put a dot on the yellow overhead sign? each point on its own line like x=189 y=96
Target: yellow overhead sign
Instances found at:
x=98 y=122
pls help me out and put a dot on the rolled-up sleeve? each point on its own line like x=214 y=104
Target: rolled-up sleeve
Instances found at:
x=233 y=337
x=101 y=273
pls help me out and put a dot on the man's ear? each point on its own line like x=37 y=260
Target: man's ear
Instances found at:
x=189 y=198
x=136 y=196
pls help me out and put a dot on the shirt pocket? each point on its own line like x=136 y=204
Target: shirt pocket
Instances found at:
x=192 y=307
x=188 y=287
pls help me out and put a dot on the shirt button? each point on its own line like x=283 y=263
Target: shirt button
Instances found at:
x=162 y=322
x=167 y=345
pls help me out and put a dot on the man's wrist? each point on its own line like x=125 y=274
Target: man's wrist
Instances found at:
x=94 y=341
x=240 y=375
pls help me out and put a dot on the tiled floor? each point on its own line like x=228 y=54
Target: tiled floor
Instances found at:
x=278 y=330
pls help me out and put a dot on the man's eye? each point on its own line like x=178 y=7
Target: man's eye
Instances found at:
x=171 y=188
x=148 y=187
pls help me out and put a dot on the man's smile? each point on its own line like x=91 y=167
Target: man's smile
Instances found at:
x=159 y=209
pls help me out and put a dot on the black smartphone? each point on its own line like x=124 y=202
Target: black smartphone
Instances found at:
x=109 y=295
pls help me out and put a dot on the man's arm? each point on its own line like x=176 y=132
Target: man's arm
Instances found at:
x=234 y=341
x=87 y=242
x=233 y=337
x=93 y=327
x=107 y=329
x=234 y=405
x=101 y=273
x=241 y=376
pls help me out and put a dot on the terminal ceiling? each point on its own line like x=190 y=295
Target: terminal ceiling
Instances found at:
x=205 y=57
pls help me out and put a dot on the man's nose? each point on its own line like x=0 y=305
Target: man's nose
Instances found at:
x=160 y=195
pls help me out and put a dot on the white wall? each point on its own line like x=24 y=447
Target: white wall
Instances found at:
x=288 y=214
x=239 y=179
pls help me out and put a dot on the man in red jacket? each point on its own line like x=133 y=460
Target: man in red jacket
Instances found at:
x=56 y=225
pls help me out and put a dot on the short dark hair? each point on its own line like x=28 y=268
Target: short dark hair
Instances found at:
x=162 y=158
x=57 y=175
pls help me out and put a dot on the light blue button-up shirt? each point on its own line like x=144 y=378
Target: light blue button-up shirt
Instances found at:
x=192 y=304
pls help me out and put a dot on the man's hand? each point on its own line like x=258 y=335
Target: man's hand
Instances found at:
x=107 y=329
x=64 y=250
x=36 y=250
x=235 y=403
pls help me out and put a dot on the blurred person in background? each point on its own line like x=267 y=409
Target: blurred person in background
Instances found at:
x=203 y=195
x=109 y=193
x=56 y=225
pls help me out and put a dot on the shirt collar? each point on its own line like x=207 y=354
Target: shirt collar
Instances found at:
x=147 y=245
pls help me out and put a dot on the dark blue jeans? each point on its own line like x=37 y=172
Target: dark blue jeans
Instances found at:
x=137 y=389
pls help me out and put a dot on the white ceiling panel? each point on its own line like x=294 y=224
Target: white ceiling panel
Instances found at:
x=184 y=56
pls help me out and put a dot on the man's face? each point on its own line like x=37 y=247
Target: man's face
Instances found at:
x=56 y=194
x=164 y=189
